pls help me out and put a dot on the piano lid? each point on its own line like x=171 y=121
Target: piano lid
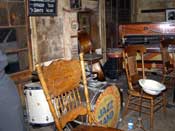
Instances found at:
x=166 y=28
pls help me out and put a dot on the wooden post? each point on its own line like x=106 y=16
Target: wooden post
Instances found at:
x=102 y=27
x=85 y=88
x=34 y=41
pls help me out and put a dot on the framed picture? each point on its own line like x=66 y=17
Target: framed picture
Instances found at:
x=170 y=15
x=75 y=4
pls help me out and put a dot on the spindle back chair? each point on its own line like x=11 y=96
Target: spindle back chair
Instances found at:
x=60 y=82
x=132 y=55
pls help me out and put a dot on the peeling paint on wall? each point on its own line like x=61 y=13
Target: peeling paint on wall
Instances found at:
x=52 y=36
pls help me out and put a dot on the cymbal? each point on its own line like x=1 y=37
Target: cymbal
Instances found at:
x=92 y=57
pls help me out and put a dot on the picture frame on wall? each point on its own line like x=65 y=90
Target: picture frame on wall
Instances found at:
x=75 y=4
x=170 y=15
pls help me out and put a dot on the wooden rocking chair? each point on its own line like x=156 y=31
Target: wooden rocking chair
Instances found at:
x=60 y=81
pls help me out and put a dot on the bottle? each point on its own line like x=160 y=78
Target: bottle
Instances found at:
x=130 y=125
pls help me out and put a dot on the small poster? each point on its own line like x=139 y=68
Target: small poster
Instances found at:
x=42 y=7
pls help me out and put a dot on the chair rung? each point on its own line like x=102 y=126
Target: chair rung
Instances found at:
x=139 y=105
x=157 y=108
x=138 y=101
x=148 y=113
x=159 y=101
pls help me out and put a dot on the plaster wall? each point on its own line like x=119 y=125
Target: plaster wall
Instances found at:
x=51 y=35
x=55 y=37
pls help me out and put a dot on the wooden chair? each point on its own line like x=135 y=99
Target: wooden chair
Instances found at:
x=168 y=61
x=150 y=103
x=60 y=81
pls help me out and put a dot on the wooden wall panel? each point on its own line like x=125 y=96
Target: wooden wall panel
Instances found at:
x=158 y=16
x=3 y=14
x=17 y=13
x=95 y=31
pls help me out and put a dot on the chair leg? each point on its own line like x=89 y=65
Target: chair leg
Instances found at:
x=163 y=79
x=164 y=102
x=126 y=106
x=152 y=115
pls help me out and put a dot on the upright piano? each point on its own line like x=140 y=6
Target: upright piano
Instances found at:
x=149 y=34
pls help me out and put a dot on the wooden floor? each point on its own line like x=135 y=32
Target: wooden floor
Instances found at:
x=161 y=123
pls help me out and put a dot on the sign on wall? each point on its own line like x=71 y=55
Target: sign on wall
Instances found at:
x=42 y=7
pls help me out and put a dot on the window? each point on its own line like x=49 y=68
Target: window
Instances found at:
x=7 y=43
x=13 y=35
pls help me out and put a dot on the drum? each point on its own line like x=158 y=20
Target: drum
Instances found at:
x=105 y=103
x=38 y=111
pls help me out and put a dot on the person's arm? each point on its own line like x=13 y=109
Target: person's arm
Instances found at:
x=3 y=60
